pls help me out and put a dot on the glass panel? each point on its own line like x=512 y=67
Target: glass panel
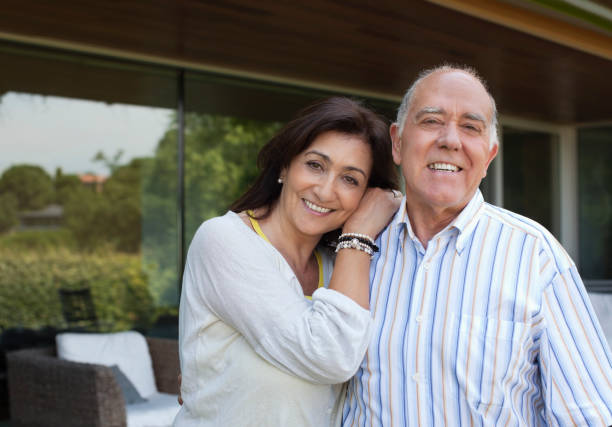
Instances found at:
x=595 y=204
x=228 y=121
x=487 y=185
x=88 y=236
x=220 y=153
x=530 y=176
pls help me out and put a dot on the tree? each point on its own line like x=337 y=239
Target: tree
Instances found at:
x=122 y=192
x=65 y=185
x=8 y=212
x=85 y=214
x=220 y=163
x=31 y=186
x=137 y=208
x=112 y=163
x=110 y=217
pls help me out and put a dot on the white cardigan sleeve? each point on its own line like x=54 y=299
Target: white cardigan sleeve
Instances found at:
x=247 y=284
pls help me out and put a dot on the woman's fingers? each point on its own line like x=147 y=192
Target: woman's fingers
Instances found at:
x=376 y=209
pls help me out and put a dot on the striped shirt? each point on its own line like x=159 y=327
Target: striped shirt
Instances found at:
x=490 y=325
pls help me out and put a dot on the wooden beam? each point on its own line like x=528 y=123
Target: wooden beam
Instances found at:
x=535 y=24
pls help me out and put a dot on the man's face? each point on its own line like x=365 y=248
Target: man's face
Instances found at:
x=444 y=147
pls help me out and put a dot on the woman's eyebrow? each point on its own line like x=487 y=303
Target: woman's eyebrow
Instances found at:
x=318 y=153
x=329 y=160
x=356 y=169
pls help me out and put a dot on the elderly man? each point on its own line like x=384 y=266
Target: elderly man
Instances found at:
x=480 y=316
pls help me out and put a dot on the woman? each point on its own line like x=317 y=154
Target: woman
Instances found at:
x=255 y=350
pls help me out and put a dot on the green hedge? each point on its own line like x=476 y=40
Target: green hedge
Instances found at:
x=30 y=280
x=38 y=240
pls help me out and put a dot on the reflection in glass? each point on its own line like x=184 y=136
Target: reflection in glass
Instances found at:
x=220 y=162
x=228 y=121
x=82 y=209
x=487 y=185
x=530 y=176
x=595 y=202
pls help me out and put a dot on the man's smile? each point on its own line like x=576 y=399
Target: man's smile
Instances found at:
x=445 y=167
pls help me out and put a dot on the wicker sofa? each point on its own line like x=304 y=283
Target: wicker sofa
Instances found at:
x=47 y=391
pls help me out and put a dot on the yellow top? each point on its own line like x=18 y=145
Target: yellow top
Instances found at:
x=259 y=231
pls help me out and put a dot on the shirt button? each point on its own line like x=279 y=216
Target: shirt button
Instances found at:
x=426 y=266
x=416 y=377
x=419 y=318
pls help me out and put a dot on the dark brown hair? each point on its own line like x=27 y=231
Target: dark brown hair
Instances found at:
x=338 y=114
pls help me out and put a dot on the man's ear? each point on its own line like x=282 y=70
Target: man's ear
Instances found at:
x=396 y=143
x=492 y=154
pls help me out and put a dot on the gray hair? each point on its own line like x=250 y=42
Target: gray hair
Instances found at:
x=402 y=112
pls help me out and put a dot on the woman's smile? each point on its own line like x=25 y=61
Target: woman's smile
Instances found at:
x=314 y=207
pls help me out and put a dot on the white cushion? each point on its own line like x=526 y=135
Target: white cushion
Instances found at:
x=128 y=350
x=158 y=411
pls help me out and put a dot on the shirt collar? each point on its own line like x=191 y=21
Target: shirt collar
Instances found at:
x=465 y=223
x=467 y=220
x=399 y=223
x=401 y=216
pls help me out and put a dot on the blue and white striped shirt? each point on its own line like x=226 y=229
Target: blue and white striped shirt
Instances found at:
x=489 y=325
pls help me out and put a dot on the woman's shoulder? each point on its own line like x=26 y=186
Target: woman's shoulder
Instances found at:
x=219 y=222
x=221 y=229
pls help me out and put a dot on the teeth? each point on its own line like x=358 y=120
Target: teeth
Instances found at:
x=443 y=167
x=316 y=208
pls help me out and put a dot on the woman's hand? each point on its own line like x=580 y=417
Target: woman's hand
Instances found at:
x=374 y=212
x=352 y=267
x=180 y=396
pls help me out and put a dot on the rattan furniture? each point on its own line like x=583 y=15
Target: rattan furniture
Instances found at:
x=47 y=391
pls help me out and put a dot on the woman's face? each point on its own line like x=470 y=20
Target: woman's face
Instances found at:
x=324 y=184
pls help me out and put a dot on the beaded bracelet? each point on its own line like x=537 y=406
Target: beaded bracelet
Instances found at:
x=358 y=235
x=355 y=244
x=363 y=238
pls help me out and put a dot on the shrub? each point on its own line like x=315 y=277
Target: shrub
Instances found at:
x=37 y=240
x=8 y=212
x=30 y=184
x=30 y=280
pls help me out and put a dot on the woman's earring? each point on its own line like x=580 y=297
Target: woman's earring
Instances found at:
x=280 y=180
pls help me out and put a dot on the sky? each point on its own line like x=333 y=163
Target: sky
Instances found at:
x=56 y=132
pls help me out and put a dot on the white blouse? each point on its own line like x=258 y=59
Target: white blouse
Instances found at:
x=240 y=304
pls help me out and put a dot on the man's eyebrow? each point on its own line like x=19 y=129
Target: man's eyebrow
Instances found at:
x=328 y=160
x=475 y=116
x=428 y=110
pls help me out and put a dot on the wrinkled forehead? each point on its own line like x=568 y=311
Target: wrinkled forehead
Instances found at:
x=452 y=92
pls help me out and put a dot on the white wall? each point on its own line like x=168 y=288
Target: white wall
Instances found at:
x=603 y=307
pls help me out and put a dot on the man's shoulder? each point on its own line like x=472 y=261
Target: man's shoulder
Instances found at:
x=549 y=245
x=516 y=221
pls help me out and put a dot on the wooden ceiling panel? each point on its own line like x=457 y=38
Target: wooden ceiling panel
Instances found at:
x=352 y=45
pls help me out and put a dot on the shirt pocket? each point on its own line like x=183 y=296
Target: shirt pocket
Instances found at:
x=492 y=360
